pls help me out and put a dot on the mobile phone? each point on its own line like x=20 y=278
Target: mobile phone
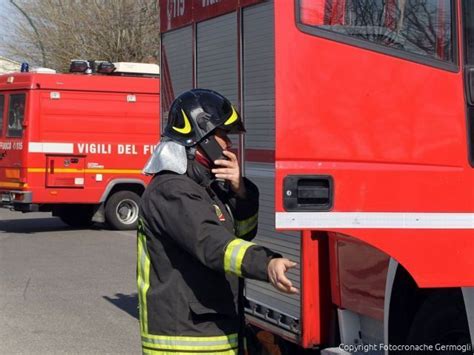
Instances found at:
x=212 y=149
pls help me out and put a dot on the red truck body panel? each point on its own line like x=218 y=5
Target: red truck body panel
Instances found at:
x=80 y=133
x=392 y=134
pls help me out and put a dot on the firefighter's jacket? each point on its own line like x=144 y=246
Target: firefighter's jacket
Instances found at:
x=193 y=245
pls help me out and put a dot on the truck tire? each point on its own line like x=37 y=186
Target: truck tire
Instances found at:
x=441 y=321
x=121 y=210
x=77 y=216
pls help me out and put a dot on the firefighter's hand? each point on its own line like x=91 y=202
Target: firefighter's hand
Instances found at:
x=276 y=273
x=230 y=170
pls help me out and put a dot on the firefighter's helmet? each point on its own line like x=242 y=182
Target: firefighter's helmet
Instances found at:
x=196 y=113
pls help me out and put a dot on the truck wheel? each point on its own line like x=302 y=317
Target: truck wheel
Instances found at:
x=78 y=216
x=441 y=321
x=121 y=210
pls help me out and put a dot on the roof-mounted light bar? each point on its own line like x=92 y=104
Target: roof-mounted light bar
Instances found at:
x=106 y=68
x=120 y=68
x=137 y=68
x=80 y=66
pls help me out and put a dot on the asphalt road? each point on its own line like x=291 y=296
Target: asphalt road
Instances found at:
x=64 y=290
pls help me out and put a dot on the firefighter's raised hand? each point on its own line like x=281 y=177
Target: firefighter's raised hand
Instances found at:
x=230 y=170
x=276 y=269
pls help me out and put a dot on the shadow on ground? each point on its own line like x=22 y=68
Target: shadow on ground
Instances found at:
x=127 y=303
x=38 y=225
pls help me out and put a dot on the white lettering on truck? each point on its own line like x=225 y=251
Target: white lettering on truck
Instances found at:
x=11 y=145
x=122 y=149
x=129 y=149
x=148 y=149
x=206 y=3
x=175 y=8
x=92 y=148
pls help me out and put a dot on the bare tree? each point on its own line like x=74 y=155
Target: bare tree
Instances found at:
x=55 y=31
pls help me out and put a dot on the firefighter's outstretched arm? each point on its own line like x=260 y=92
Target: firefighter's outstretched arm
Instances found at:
x=190 y=221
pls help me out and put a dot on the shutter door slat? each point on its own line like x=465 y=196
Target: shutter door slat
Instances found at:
x=259 y=76
x=178 y=46
x=217 y=55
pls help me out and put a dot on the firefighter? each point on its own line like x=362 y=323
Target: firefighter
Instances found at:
x=198 y=217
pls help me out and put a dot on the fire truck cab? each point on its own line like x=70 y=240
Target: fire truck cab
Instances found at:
x=74 y=144
x=360 y=137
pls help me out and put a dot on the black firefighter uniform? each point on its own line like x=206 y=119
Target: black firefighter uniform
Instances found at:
x=193 y=245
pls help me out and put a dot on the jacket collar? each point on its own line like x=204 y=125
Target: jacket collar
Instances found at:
x=199 y=173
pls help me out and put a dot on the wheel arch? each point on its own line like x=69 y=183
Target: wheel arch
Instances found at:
x=135 y=185
x=403 y=298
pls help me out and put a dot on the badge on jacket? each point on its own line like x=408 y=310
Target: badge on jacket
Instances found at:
x=219 y=213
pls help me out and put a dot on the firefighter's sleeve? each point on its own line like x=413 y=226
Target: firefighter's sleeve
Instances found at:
x=191 y=222
x=251 y=263
x=245 y=211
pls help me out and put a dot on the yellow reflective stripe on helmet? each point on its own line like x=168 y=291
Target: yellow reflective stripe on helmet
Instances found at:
x=183 y=343
x=187 y=125
x=232 y=117
x=246 y=226
x=234 y=254
x=143 y=276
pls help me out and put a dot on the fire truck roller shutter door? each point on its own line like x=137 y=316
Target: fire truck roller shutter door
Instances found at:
x=258 y=71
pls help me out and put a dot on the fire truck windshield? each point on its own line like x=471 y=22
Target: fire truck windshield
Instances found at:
x=421 y=27
x=16 y=113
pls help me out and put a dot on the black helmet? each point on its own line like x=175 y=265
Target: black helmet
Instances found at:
x=196 y=113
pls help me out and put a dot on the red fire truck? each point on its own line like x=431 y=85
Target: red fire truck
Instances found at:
x=360 y=135
x=75 y=144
